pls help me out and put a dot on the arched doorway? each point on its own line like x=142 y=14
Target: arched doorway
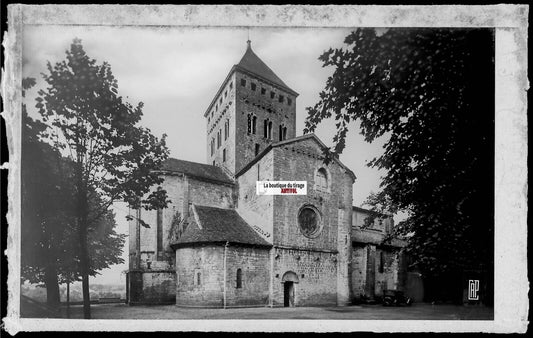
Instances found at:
x=288 y=280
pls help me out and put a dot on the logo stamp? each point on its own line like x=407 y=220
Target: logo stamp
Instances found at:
x=473 y=289
x=281 y=188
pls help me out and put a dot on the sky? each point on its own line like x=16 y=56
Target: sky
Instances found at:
x=176 y=71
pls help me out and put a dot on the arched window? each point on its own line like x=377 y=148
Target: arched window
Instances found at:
x=282 y=132
x=239 y=279
x=252 y=122
x=226 y=130
x=198 y=278
x=321 y=179
x=267 y=129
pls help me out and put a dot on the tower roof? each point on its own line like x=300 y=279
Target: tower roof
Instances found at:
x=252 y=63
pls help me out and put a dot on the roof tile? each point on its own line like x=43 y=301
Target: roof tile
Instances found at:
x=196 y=169
x=219 y=225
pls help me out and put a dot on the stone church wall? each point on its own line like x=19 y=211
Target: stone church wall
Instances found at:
x=257 y=210
x=223 y=110
x=317 y=277
x=151 y=287
x=263 y=107
x=255 y=267
x=299 y=162
x=210 y=194
x=375 y=269
x=208 y=262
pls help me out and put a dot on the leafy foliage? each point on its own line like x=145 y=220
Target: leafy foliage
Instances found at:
x=113 y=157
x=49 y=214
x=430 y=92
x=92 y=125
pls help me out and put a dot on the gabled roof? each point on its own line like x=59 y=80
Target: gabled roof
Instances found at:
x=292 y=140
x=195 y=169
x=217 y=225
x=252 y=63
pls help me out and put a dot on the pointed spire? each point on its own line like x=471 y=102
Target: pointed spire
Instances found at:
x=252 y=63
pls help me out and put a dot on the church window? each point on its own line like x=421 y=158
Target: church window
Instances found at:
x=321 y=179
x=263 y=91
x=309 y=221
x=289 y=101
x=280 y=98
x=269 y=136
x=198 y=278
x=282 y=132
x=224 y=155
x=243 y=82
x=254 y=122
x=226 y=130
x=253 y=86
x=256 y=149
x=272 y=95
x=239 y=279
x=265 y=129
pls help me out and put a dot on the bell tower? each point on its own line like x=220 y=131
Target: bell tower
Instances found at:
x=252 y=109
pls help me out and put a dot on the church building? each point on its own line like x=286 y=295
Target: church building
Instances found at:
x=219 y=244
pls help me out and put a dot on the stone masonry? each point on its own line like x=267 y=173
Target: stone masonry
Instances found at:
x=219 y=244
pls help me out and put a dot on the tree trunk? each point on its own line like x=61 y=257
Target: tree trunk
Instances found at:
x=52 y=288
x=68 y=299
x=84 y=264
x=83 y=211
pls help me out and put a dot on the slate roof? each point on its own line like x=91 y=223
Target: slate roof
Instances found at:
x=219 y=226
x=196 y=169
x=252 y=63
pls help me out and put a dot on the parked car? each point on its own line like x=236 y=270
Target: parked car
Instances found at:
x=395 y=298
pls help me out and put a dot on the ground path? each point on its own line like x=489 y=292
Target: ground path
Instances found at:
x=416 y=311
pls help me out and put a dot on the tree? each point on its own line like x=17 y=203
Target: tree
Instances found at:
x=46 y=208
x=430 y=92
x=50 y=254
x=114 y=157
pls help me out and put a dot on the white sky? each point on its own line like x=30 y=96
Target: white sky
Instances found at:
x=176 y=71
